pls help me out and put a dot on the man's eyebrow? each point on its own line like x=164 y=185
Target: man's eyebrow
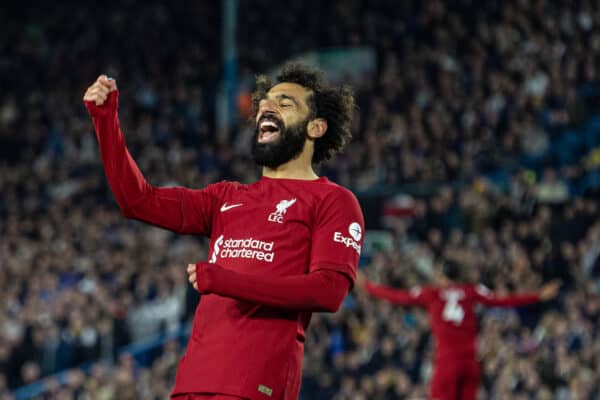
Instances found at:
x=286 y=97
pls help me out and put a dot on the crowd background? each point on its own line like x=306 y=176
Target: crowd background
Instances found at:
x=476 y=137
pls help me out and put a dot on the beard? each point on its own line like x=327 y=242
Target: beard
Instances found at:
x=288 y=146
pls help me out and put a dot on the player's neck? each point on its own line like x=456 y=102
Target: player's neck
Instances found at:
x=298 y=168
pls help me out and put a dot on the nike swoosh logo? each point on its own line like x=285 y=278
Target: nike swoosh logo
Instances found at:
x=226 y=207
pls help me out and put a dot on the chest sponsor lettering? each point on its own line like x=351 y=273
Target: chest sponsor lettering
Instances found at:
x=246 y=248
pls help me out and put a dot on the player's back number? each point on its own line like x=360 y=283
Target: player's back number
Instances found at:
x=453 y=311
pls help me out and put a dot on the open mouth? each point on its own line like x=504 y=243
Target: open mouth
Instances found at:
x=268 y=129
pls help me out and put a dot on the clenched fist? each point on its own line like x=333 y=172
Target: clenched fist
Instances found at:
x=192 y=278
x=99 y=90
x=199 y=275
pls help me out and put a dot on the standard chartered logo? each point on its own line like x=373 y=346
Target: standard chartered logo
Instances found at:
x=216 y=249
x=249 y=248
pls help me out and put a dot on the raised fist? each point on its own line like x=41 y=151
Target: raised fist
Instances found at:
x=99 y=90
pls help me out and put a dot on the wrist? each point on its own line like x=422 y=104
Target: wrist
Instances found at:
x=204 y=276
x=110 y=105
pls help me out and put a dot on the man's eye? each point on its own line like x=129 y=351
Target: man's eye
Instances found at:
x=284 y=105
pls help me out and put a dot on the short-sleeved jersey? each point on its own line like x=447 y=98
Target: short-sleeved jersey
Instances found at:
x=278 y=227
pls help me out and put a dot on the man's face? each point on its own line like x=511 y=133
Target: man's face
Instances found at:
x=281 y=124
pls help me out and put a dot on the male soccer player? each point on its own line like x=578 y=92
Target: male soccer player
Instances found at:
x=451 y=306
x=280 y=248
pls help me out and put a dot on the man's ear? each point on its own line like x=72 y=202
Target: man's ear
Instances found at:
x=317 y=128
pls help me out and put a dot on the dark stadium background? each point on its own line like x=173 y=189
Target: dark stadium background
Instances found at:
x=477 y=137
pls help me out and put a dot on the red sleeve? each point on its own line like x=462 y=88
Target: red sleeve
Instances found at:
x=338 y=234
x=318 y=291
x=413 y=297
x=484 y=296
x=178 y=209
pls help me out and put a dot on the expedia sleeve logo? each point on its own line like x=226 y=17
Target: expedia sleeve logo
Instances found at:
x=355 y=232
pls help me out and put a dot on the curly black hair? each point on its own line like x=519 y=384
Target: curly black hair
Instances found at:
x=335 y=104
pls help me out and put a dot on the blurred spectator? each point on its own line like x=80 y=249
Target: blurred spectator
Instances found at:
x=551 y=190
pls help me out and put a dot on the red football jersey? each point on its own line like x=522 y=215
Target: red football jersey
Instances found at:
x=274 y=227
x=452 y=312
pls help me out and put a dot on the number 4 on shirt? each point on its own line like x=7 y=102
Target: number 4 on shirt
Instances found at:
x=453 y=312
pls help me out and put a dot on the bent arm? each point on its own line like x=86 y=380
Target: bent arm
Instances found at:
x=176 y=208
x=320 y=291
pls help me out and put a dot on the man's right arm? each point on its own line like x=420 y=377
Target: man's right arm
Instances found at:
x=413 y=297
x=178 y=209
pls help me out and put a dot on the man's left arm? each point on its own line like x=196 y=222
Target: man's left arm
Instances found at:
x=509 y=300
x=336 y=243
x=488 y=298
x=322 y=290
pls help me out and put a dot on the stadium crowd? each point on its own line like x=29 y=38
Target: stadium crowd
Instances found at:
x=460 y=92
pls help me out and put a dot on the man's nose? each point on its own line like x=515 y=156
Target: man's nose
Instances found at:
x=267 y=105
